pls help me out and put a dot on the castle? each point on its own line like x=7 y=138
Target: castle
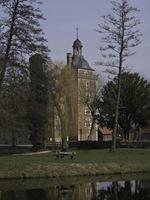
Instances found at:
x=79 y=81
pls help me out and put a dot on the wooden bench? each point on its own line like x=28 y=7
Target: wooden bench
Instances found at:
x=61 y=154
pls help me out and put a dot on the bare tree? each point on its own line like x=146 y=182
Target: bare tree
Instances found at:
x=119 y=35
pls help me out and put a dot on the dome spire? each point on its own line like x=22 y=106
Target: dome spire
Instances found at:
x=77 y=31
x=77 y=45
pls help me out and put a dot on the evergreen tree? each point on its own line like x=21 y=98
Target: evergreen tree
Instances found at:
x=134 y=102
x=38 y=101
x=13 y=112
x=20 y=34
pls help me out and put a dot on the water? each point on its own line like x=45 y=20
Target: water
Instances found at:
x=85 y=188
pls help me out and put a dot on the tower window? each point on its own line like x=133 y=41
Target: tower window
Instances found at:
x=87 y=124
x=87 y=111
x=87 y=85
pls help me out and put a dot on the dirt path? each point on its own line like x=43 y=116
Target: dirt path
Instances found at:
x=32 y=153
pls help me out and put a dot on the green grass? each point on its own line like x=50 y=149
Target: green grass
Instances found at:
x=87 y=162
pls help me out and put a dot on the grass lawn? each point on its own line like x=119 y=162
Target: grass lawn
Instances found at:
x=86 y=162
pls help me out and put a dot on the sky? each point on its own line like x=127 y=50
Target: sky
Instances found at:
x=62 y=17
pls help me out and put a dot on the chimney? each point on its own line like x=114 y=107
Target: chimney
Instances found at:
x=69 y=59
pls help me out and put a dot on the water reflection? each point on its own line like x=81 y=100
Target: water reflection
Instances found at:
x=95 y=190
x=122 y=190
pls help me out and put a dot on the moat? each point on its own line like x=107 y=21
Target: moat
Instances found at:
x=83 y=188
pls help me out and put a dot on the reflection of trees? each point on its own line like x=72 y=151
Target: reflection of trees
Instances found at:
x=117 y=191
x=111 y=193
x=125 y=192
x=94 y=191
x=144 y=194
x=128 y=190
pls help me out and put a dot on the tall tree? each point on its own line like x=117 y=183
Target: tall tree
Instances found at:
x=119 y=35
x=13 y=102
x=38 y=101
x=134 y=102
x=20 y=33
x=64 y=95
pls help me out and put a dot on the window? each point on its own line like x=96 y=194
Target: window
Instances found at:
x=87 y=85
x=87 y=111
x=87 y=123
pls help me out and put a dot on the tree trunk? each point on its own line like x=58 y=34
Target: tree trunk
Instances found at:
x=114 y=135
x=119 y=83
x=127 y=189
x=64 y=144
x=8 y=47
x=64 y=134
x=13 y=139
x=94 y=190
x=115 y=190
x=91 y=130
x=139 y=134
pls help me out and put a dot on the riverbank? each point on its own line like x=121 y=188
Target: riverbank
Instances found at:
x=87 y=162
x=32 y=184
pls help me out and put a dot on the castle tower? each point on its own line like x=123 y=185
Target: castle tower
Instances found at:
x=79 y=82
x=86 y=86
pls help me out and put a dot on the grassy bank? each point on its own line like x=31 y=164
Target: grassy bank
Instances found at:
x=88 y=162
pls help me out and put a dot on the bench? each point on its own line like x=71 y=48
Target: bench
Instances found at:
x=61 y=154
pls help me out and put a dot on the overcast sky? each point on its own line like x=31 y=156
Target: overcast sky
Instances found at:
x=60 y=28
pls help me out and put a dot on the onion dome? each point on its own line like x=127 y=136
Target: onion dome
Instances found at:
x=77 y=44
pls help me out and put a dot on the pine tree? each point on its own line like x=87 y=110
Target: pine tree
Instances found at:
x=20 y=34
